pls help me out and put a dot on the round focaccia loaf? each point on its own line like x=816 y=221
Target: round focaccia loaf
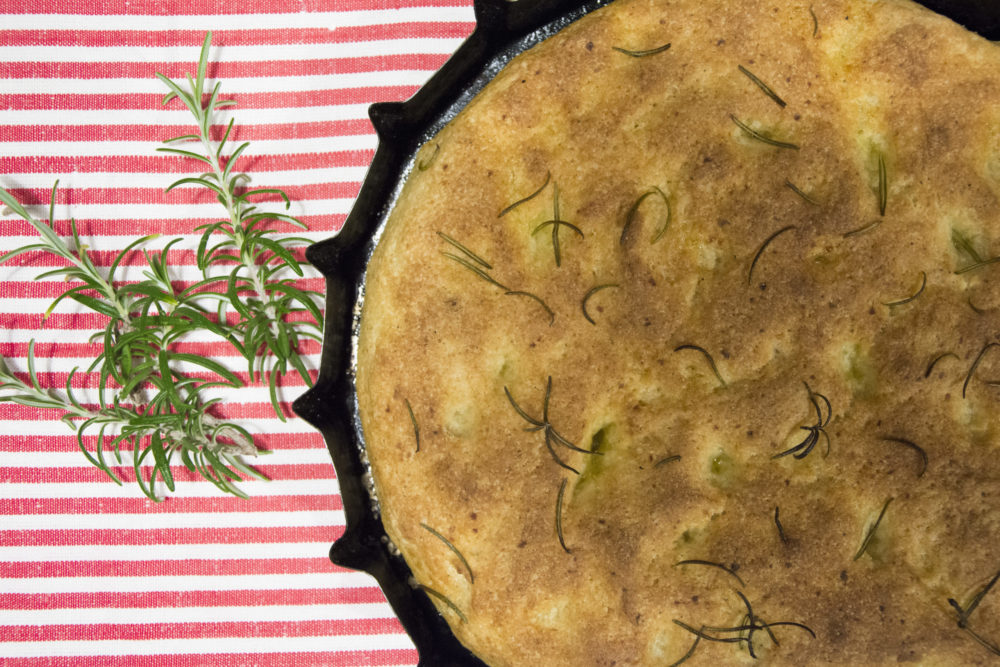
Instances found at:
x=681 y=341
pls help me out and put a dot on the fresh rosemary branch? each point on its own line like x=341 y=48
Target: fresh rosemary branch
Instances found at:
x=267 y=305
x=144 y=320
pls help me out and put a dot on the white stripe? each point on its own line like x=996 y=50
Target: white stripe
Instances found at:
x=143 y=552
x=229 y=54
x=274 y=613
x=98 y=179
x=213 y=645
x=220 y=520
x=185 y=489
x=185 y=583
x=198 y=22
x=113 y=149
x=160 y=116
x=231 y=86
x=43 y=459
x=139 y=211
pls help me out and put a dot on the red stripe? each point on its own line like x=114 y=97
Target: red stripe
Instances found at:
x=58 y=321
x=155 y=599
x=164 y=164
x=136 y=537
x=109 y=631
x=252 y=37
x=31 y=289
x=145 y=101
x=82 y=475
x=215 y=7
x=227 y=411
x=367 y=658
x=225 y=71
x=307 y=439
x=167 y=568
x=10 y=226
x=157 y=133
x=170 y=505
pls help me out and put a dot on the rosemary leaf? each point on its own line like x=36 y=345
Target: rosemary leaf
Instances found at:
x=559 y=509
x=586 y=297
x=443 y=598
x=763 y=246
x=871 y=531
x=764 y=87
x=413 y=420
x=912 y=445
x=644 y=52
x=508 y=209
x=763 y=138
x=920 y=290
x=454 y=549
x=708 y=357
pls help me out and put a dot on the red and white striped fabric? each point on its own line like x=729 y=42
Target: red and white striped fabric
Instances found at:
x=92 y=573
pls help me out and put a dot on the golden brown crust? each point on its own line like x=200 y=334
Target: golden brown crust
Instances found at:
x=820 y=312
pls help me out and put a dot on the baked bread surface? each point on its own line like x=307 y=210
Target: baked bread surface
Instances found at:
x=760 y=302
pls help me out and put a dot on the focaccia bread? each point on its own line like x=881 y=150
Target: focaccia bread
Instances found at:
x=681 y=343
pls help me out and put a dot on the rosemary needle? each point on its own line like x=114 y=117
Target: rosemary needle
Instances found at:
x=443 y=598
x=763 y=138
x=586 y=297
x=709 y=563
x=920 y=290
x=454 y=549
x=794 y=188
x=871 y=531
x=708 y=357
x=763 y=246
x=413 y=419
x=471 y=255
x=975 y=364
x=912 y=445
x=763 y=86
x=559 y=508
x=508 y=209
x=552 y=315
x=644 y=52
x=935 y=360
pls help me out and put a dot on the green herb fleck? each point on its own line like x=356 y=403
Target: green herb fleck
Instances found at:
x=425 y=164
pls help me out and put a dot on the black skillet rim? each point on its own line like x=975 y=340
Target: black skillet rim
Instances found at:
x=503 y=29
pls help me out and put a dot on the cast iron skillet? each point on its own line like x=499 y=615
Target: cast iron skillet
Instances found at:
x=503 y=29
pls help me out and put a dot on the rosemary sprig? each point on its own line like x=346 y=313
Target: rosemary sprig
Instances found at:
x=586 y=297
x=559 y=510
x=965 y=612
x=912 y=445
x=920 y=290
x=975 y=364
x=871 y=531
x=267 y=305
x=413 y=420
x=556 y=222
x=511 y=207
x=815 y=21
x=727 y=570
x=794 y=188
x=634 y=211
x=803 y=448
x=454 y=550
x=549 y=431
x=643 y=52
x=763 y=138
x=763 y=246
x=935 y=360
x=144 y=320
x=763 y=86
x=445 y=599
x=708 y=357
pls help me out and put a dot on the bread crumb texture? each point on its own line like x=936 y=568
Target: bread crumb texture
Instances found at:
x=700 y=343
